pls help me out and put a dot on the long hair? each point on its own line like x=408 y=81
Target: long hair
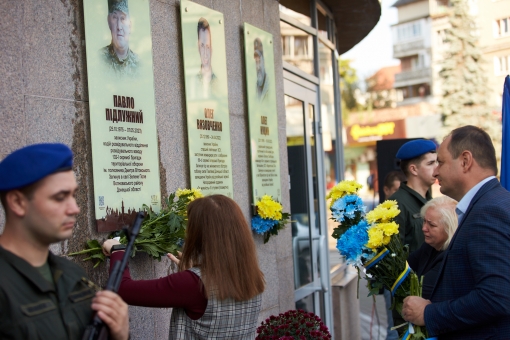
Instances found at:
x=445 y=206
x=220 y=243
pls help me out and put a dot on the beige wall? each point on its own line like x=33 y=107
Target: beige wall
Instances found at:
x=413 y=11
x=492 y=46
x=44 y=98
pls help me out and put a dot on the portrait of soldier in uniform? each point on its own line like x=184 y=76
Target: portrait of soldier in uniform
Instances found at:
x=206 y=79
x=118 y=56
x=262 y=79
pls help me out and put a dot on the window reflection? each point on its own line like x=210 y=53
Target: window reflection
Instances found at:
x=297 y=47
x=306 y=304
x=298 y=9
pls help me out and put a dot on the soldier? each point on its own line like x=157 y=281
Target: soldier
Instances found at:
x=262 y=80
x=418 y=159
x=118 y=56
x=44 y=296
x=205 y=79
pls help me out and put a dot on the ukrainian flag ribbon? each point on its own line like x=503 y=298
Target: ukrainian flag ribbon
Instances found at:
x=400 y=279
x=408 y=334
x=377 y=258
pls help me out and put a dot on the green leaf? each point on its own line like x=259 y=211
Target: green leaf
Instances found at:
x=339 y=231
x=93 y=244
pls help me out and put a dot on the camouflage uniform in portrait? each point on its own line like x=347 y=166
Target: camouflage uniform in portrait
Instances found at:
x=117 y=56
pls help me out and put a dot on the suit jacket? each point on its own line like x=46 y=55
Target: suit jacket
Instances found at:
x=471 y=298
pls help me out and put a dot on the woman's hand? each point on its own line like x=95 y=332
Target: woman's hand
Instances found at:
x=174 y=259
x=107 y=246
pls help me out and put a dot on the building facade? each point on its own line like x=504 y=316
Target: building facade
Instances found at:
x=419 y=43
x=45 y=98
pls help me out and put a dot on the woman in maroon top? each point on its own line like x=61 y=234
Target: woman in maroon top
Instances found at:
x=218 y=262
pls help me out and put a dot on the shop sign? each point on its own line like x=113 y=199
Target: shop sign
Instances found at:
x=205 y=74
x=262 y=113
x=122 y=110
x=370 y=133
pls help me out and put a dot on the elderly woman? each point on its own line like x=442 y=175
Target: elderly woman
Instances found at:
x=439 y=225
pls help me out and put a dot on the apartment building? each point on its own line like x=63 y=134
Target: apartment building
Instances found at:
x=419 y=43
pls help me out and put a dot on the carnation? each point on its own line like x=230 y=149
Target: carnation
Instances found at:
x=293 y=324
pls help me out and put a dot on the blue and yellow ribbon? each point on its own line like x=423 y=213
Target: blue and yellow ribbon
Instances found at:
x=377 y=258
x=400 y=279
x=407 y=334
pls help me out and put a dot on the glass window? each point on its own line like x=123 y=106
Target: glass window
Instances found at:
x=306 y=303
x=297 y=47
x=300 y=10
x=329 y=139
x=502 y=28
x=322 y=22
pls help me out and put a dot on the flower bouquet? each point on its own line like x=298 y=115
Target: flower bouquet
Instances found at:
x=372 y=244
x=160 y=233
x=293 y=324
x=269 y=218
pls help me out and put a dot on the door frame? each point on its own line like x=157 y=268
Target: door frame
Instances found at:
x=308 y=91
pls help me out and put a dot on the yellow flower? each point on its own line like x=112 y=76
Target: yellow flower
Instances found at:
x=389 y=228
x=195 y=193
x=342 y=189
x=386 y=240
x=384 y=212
x=268 y=208
x=375 y=238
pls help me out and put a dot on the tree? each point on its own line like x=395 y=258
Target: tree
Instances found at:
x=464 y=84
x=348 y=85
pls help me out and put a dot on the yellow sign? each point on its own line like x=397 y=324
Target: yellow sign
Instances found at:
x=381 y=129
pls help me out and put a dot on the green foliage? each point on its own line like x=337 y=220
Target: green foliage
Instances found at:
x=160 y=233
x=281 y=224
x=348 y=84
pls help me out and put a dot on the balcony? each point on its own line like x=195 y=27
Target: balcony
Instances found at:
x=407 y=78
x=405 y=49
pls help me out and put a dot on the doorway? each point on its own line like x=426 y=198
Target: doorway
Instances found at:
x=307 y=198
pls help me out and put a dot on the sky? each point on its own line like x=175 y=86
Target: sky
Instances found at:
x=376 y=49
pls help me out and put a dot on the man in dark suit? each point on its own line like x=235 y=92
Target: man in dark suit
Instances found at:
x=471 y=298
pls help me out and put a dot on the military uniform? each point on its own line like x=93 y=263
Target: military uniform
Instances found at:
x=33 y=308
x=409 y=220
x=126 y=67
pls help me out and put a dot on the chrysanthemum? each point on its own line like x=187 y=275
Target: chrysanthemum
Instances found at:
x=193 y=193
x=343 y=188
x=268 y=208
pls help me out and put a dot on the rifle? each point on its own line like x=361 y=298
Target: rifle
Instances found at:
x=97 y=329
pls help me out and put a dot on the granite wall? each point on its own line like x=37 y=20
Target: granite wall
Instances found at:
x=44 y=98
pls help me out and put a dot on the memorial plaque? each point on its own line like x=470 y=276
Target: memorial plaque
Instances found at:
x=205 y=70
x=262 y=113
x=122 y=110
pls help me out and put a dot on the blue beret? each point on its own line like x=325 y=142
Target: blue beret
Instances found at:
x=415 y=148
x=32 y=163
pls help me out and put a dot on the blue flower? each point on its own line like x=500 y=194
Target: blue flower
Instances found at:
x=261 y=225
x=352 y=243
x=346 y=207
